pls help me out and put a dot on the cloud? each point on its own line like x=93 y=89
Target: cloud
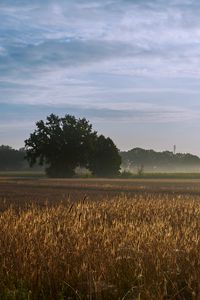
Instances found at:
x=52 y=54
x=25 y=116
x=121 y=63
x=88 y=52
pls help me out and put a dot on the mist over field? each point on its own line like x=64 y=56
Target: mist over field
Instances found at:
x=150 y=161
x=162 y=169
x=136 y=161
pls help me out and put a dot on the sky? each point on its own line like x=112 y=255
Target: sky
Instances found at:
x=131 y=67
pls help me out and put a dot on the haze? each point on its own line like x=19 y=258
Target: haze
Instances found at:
x=131 y=67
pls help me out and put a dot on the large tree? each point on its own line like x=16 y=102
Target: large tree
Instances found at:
x=105 y=159
x=61 y=144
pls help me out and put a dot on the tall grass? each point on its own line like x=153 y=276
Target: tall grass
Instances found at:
x=144 y=247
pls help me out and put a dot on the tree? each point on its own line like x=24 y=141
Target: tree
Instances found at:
x=165 y=161
x=105 y=159
x=61 y=144
x=11 y=159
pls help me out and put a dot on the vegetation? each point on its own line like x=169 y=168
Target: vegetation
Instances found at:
x=11 y=159
x=63 y=144
x=105 y=159
x=124 y=247
x=23 y=174
x=153 y=161
x=126 y=174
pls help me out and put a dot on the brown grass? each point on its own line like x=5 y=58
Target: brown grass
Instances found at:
x=145 y=246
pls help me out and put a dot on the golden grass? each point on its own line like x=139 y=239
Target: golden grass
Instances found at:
x=140 y=247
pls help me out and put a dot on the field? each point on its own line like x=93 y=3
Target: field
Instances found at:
x=99 y=239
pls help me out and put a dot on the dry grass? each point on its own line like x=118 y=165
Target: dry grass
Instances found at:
x=139 y=247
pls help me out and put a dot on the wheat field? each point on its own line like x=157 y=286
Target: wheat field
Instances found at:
x=142 y=246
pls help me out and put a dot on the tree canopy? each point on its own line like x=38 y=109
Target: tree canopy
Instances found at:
x=165 y=161
x=105 y=160
x=62 y=144
x=11 y=159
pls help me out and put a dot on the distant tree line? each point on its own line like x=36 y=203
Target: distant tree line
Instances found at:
x=11 y=159
x=61 y=145
x=152 y=161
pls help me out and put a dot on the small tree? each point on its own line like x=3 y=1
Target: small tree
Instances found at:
x=105 y=159
x=61 y=144
x=140 y=171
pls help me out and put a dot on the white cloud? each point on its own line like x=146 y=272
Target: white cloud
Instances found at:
x=94 y=53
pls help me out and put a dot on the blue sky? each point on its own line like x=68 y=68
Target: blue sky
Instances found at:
x=132 y=67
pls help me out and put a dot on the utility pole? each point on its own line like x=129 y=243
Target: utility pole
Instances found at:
x=174 y=149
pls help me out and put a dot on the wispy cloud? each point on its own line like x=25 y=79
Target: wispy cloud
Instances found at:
x=22 y=115
x=131 y=38
x=111 y=60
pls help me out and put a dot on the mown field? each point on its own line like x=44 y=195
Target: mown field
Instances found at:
x=99 y=239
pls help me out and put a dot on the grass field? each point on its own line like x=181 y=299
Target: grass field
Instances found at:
x=24 y=174
x=124 y=175
x=99 y=239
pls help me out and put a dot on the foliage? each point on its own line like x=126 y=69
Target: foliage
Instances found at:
x=140 y=171
x=11 y=159
x=159 y=161
x=60 y=143
x=105 y=160
x=63 y=144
